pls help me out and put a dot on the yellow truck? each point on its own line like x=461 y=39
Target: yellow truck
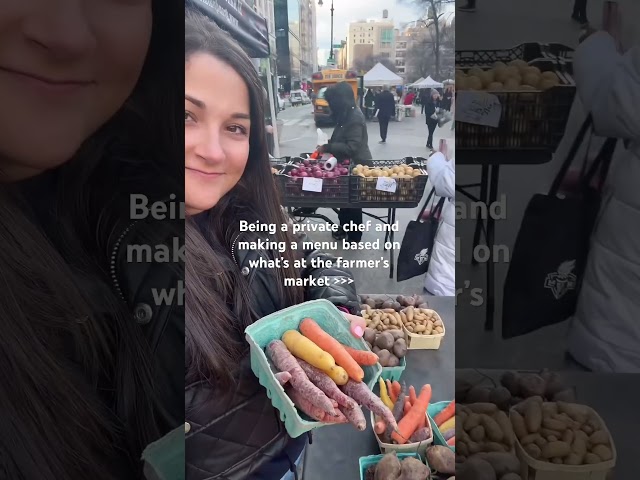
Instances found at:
x=322 y=80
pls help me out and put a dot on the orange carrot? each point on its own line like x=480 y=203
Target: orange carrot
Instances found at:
x=448 y=412
x=326 y=342
x=407 y=407
x=396 y=387
x=362 y=357
x=390 y=391
x=414 y=418
x=412 y=395
x=452 y=441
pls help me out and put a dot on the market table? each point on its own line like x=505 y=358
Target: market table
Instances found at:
x=335 y=450
x=613 y=397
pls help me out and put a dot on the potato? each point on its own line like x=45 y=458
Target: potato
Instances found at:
x=413 y=469
x=599 y=437
x=369 y=336
x=474 y=83
x=556 y=449
x=603 y=452
x=579 y=445
x=477 y=433
x=393 y=361
x=385 y=341
x=533 y=416
x=573 y=459
x=442 y=459
x=400 y=348
x=529 y=439
x=384 y=355
x=495 y=447
x=472 y=421
x=492 y=429
x=591 y=459
x=532 y=385
x=476 y=468
x=388 y=467
x=482 y=407
x=478 y=395
x=567 y=436
x=518 y=424
x=502 y=463
x=533 y=450
x=511 y=381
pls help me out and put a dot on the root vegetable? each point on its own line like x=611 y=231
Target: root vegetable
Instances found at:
x=328 y=386
x=603 y=452
x=286 y=362
x=493 y=430
x=362 y=357
x=365 y=397
x=412 y=420
x=369 y=335
x=533 y=416
x=383 y=357
x=502 y=463
x=283 y=377
x=388 y=468
x=451 y=423
x=385 y=341
x=477 y=433
x=400 y=348
x=338 y=375
x=519 y=427
x=445 y=414
x=396 y=387
x=452 y=441
x=591 y=459
x=355 y=417
x=393 y=361
x=555 y=449
x=413 y=469
x=412 y=394
x=407 y=407
x=326 y=342
x=447 y=434
x=483 y=407
x=384 y=395
x=442 y=459
x=476 y=469
x=421 y=435
x=308 y=351
x=599 y=437
x=398 y=406
x=533 y=450
x=305 y=405
x=391 y=391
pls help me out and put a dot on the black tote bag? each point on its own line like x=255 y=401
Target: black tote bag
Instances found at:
x=550 y=254
x=417 y=245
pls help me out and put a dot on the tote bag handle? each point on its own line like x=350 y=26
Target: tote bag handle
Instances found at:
x=557 y=182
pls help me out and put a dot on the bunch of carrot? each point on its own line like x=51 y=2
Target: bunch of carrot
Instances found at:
x=409 y=410
x=323 y=378
x=446 y=422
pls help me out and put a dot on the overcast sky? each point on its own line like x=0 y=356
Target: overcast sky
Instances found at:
x=347 y=11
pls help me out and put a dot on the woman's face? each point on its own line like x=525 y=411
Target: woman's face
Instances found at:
x=216 y=131
x=65 y=68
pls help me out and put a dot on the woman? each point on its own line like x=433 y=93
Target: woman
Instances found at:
x=369 y=102
x=349 y=141
x=87 y=382
x=430 y=105
x=441 y=276
x=604 y=332
x=233 y=431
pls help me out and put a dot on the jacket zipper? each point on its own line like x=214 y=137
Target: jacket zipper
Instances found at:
x=114 y=255
x=233 y=250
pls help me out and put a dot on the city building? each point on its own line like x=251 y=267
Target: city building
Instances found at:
x=296 y=50
x=371 y=37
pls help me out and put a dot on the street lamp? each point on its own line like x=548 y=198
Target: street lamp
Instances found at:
x=320 y=3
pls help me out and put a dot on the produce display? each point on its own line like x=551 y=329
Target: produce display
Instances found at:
x=398 y=304
x=316 y=168
x=482 y=427
x=514 y=388
x=390 y=467
x=323 y=378
x=409 y=411
x=395 y=171
x=446 y=423
x=389 y=346
x=517 y=75
x=489 y=466
x=561 y=432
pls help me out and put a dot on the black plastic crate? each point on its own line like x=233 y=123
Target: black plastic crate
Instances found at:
x=335 y=192
x=530 y=119
x=409 y=191
x=526 y=51
x=274 y=161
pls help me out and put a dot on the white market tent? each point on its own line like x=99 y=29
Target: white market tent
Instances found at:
x=380 y=76
x=416 y=82
x=428 y=83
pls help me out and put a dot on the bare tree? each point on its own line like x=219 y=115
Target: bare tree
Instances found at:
x=365 y=64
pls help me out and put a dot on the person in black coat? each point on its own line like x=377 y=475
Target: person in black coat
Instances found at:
x=349 y=141
x=430 y=105
x=386 y=106
x=233 y=432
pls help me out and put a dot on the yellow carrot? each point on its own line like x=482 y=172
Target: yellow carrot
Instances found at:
x=451 y=423
x=303 y=348
x=384 y=395
x=338 y=375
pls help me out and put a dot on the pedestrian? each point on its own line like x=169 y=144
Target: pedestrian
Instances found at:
x=440 y=279
x=227 y=180
x=580 y=12
x=386 y=108
x=447 y=98
x=93 y=369
x=409 y=98
x=424 y=98
x=369 y=101
x=604 y=333
x=349 y=141
x=430 y=107
x=469 y=7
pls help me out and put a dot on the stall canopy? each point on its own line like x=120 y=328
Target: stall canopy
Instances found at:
x=380 y=76
x=417 y=82
x=429 y=83
x=245 y=25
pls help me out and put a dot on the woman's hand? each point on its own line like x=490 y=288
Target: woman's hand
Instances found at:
x=322 y=149
x=358 y=324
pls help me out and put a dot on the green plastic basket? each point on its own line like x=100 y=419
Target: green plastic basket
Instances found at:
x=433 y=410
x=366 y=462
x=394 y=373
x=271 y=327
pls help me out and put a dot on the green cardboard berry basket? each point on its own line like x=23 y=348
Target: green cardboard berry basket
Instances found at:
x=366 y=462
x=433 y=410
x=271 y=327
x=394 y=373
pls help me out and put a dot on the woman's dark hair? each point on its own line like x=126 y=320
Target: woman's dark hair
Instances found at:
x=78 y=396
x=218 y=301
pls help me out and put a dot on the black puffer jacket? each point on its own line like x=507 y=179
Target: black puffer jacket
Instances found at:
x=350 y=139
x=242 y=437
